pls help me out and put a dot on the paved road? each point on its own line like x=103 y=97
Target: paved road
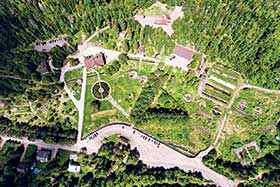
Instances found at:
x=51 y=65
x=152 y=152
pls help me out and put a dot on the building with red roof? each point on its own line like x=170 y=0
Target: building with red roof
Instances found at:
x=183 y=52
x=93 y=61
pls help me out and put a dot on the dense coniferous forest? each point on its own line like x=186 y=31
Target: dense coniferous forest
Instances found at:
x=244 y=34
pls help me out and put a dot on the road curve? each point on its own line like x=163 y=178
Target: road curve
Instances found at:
x=152 y=154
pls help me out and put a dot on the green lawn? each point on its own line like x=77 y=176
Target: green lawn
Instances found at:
x=75 y=74
x=197 y=132
x=30 y=153
x=124 y=90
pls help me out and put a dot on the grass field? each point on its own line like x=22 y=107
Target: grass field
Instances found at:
x=245 y=125
x=75 y=74
x=124 y=90
x=197 y=132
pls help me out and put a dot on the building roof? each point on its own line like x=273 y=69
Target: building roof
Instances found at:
x=98 y=60
x=43 y=155
x=74 y=167
x=124 y=140
x=160 y=20
x=183 y=52
x=23 y=167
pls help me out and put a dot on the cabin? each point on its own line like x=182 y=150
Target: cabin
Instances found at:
x=43 y=155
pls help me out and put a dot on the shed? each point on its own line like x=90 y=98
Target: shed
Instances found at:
x=74 y=167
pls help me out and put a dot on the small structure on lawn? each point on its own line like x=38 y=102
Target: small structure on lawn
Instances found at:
x=183 y=52
x=122 y=34
x=258 y=110
x=124 y=141
x=143 y=79
x=202 y=104
x=74 y=167
x=188 y=98
x=242 y=105
x=95 y=61
x=141 y=49
x=43 y=155
x=133 y=74
x=202 y=67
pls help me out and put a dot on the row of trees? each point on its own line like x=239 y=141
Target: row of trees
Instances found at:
x=163 y=114
x=144 y=101
x=235 y=170
x=50 y=134
x=10 y=157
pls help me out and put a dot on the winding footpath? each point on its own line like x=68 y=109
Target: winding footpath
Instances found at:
x=153 y=152
x=243 y=86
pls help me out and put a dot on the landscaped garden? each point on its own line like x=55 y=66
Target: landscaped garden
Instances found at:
x=253 y=116
x=167 y=114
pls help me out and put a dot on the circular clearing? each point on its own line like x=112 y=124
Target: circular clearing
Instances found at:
x=101 y=90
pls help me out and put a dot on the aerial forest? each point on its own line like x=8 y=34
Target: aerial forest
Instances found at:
x=242 y=34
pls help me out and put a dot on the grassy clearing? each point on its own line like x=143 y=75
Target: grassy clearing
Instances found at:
x=124 y=90
x=75 y=74
x=227 y=71
x=197 y=132
x=220 y=86
x=75 y=87
x=239 y=130
x=30 y=153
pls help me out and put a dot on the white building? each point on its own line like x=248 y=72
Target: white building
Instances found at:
x=74 y=167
